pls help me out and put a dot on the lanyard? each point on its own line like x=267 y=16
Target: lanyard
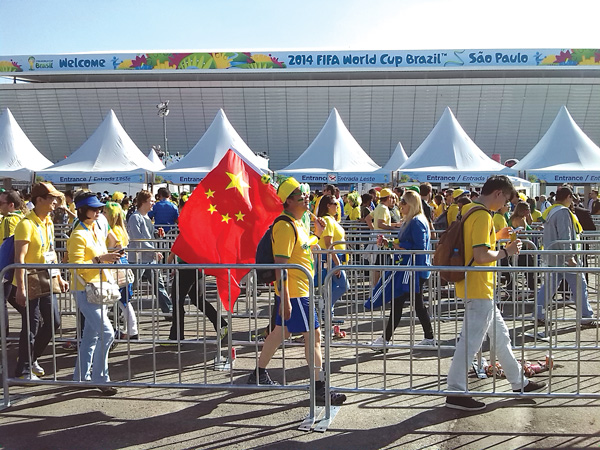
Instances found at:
x=93 y=232
x=48 y=234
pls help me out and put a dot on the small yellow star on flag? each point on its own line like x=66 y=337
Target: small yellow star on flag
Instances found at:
x=210 y=193
x=240 y=216
x=225 y=218
x=237 y=182
x=212 y=209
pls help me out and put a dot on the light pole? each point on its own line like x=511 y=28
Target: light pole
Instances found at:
x=163 y=111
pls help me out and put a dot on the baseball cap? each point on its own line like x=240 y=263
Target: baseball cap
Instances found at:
x=417 y=189
x=458 y=192
x=286 y=187
x=44 y=189
x=385 y=192
x=91 y=201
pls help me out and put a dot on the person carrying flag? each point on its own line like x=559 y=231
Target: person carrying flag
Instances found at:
x=291 y=245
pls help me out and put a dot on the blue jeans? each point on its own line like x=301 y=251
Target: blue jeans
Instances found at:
x=98 y=335
x=575 y=285
x=164 y=301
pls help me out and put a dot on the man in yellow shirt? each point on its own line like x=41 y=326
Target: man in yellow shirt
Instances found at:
x=454 y=209
x=481 y=316
x=34 y=244
x=292 y=245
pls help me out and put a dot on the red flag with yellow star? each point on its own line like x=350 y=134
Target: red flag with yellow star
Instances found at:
x=224 y=219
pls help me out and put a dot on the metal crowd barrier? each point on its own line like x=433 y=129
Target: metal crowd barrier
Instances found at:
x=351 y=366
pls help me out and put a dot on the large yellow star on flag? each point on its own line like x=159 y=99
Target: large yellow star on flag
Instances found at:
x=212 y=209
x=240 y=216
x=237 y=182
x=210 y=193
x=225 y=218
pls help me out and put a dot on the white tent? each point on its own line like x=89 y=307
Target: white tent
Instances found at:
x=334 y=156
x=210 y=149
x=108 y=156
x=395 y=162
x=448 y=155
x=564 y=154
x=154 y=159
x=18 y=156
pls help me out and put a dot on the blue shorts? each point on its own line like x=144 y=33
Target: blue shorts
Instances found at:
x=299 y=321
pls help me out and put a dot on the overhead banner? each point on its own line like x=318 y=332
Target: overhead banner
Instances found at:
x=301 y=60
x=87 y=178
x=560 y=177
x=341 y=178
x=465 y=178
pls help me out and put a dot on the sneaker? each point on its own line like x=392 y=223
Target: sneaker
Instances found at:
x=378 y=345
x=464 y=403
x=108 y=391
x=337 y=399
x=264 y=379
x=29 y=376
x=37 y=369
x=532 y=386
x=428 y=343
x=70 y=346
x=589 y=322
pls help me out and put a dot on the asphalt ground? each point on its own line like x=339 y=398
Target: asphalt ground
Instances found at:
x=153 y=416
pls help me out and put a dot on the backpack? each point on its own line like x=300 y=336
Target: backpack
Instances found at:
x=450 y=249
x=264 y=252
x=7 y=256
x=441 y=223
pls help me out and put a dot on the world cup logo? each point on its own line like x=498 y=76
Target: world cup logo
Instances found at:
x=31 y=61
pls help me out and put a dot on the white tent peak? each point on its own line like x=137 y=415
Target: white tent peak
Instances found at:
x=564 y=147
x=449 y=148
x=212 y=146
x=396 y=160
x=108 y=149
x=18 y=156
x=334 y=149
x=155 y=160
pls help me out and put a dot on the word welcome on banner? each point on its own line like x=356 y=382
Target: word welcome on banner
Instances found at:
x=301 y=60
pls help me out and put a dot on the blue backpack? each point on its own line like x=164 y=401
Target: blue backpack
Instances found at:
x=264 y=252
x=7 y=256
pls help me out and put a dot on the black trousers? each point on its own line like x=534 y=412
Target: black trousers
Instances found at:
x=43 y=319
x=422 y=313
x=188 y=286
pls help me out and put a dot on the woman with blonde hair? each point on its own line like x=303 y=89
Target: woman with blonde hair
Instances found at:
x=114 y=215
x=413 y=235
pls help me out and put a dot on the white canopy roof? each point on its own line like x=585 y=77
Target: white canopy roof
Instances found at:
x=333 y=151
x=18 y=156
x=155 y=160
x=396 y=160
x=210 y=149
x=564 y=154
x=109 y=156
x=448 y=155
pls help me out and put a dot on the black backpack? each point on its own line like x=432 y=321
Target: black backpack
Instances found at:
x=441 y=223
x=264 y=251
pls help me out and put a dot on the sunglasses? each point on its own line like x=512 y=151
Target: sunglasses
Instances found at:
x=402 y=201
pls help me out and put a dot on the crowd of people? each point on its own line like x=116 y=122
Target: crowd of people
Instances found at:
x=118 y=228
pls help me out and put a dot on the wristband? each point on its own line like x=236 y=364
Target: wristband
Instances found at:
x=505 y=252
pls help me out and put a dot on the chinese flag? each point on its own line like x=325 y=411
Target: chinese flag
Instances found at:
x=224 y=219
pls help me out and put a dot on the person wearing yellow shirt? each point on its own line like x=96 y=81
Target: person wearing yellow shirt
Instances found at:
x=333 y=232
x=499 y=218
x=34 y=244
x=453 y=209
x=481 y=316
x=87 y=245
x=292 y=245
x=329 y=190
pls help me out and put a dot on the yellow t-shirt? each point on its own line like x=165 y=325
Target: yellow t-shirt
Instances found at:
x=381 y=212
x=452 y=213
x=296 y=253
x=536 y=215
x=9 y=223
x=333 y=230
x=73 y=210
x=354 y=213
x=40 y=235
x=499 y=222
x=121 y=234
x=85 y=242
x=438 y=211
x=478 y=231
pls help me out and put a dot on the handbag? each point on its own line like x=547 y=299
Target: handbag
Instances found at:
x=101 y=292
x=41 y=284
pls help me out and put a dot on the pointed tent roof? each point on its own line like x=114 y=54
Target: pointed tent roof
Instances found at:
x=18 y=156
x=210 y=149
x=109 y=155
x=396 y=160
x=333 y=150
x=448 y=155
x=564 y=154
x=155 y=160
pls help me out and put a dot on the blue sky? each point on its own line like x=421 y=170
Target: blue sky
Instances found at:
x=69 y=26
